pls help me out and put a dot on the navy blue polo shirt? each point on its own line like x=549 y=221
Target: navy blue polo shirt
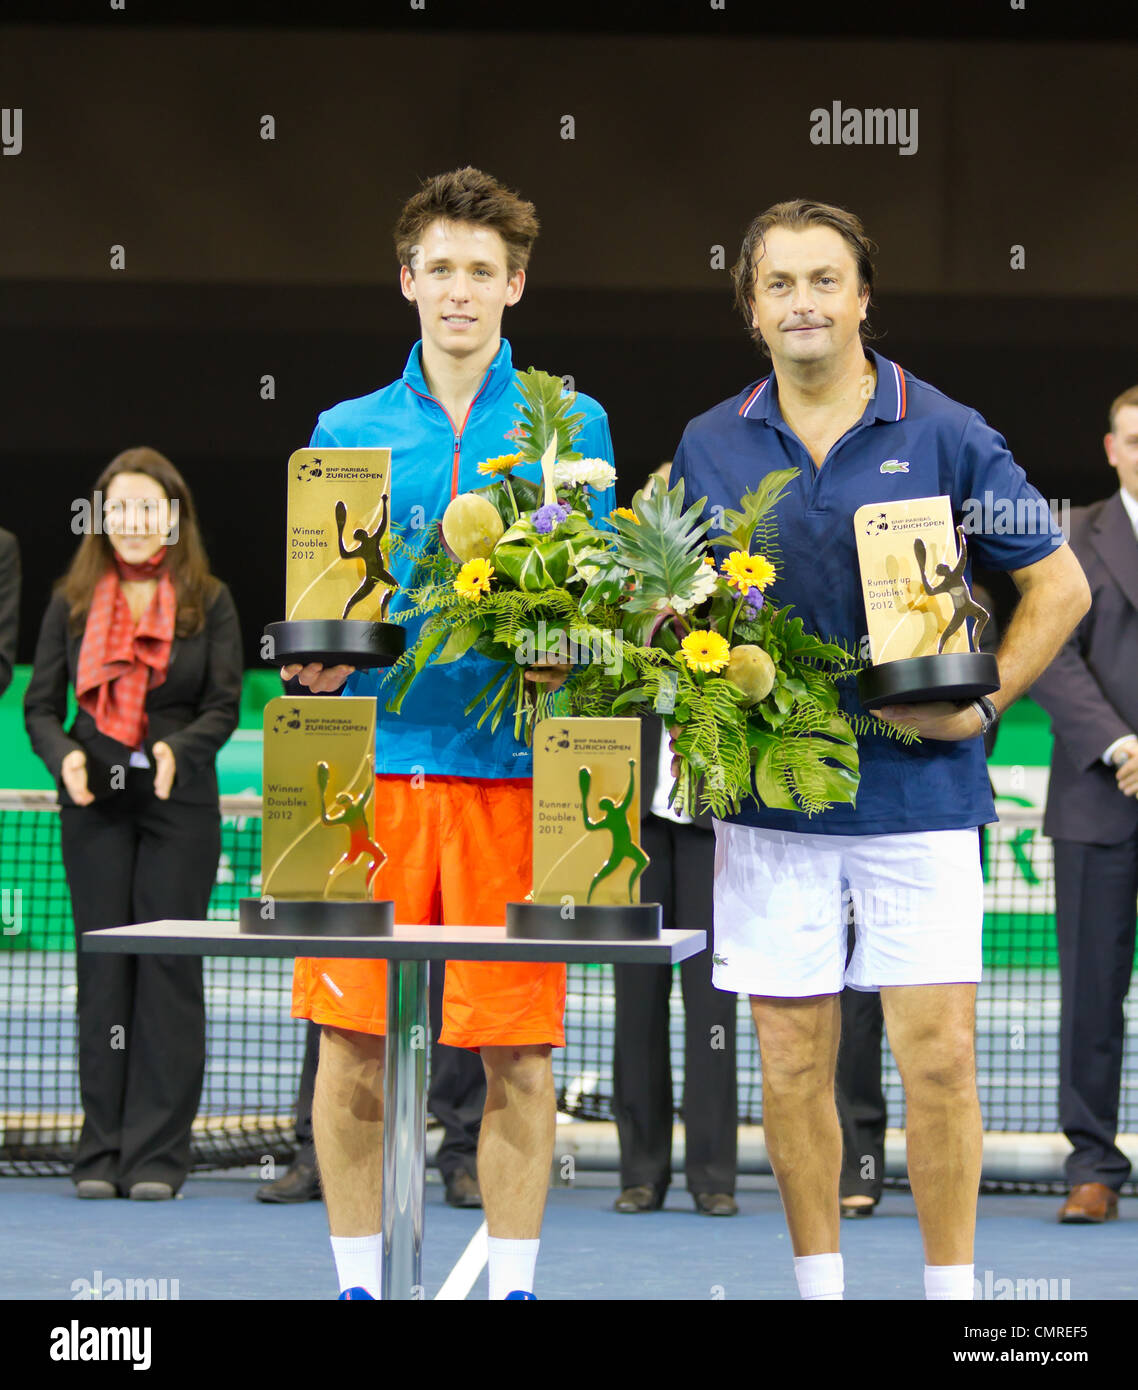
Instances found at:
x=934 y=447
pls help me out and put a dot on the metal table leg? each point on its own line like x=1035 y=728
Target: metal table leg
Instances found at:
x=404 y=1129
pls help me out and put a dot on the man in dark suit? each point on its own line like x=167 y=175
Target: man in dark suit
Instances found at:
x=1091 y=693
x=9 y=605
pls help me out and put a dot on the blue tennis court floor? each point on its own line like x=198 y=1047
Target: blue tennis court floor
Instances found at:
x=217 y=1242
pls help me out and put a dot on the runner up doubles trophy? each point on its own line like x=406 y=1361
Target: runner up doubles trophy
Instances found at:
x=319 y=852
x=917 y=603
x=587 y=859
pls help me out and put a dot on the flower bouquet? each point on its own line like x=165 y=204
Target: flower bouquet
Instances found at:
x=754 y=695
x=505 y=578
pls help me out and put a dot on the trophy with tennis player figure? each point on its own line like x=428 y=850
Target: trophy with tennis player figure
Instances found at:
x=587 y=859
x=319 y=852
x=917 y=606
x=338 y=581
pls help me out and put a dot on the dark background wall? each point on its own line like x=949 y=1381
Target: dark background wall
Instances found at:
x=247 y=257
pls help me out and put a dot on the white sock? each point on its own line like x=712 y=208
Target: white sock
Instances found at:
x=819 y=1276
x=358 y=1262
x=511 y=1266
x=949 y=1281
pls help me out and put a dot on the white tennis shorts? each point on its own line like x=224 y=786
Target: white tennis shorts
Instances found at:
x=782 y=901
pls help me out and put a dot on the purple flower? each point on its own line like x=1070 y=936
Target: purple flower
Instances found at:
x=750 y=609
x=549 y=516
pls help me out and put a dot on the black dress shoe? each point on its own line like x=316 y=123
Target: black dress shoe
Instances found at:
x=462 y=1190
x=300 y=1184
x=642 y=1198
x=715 y=1204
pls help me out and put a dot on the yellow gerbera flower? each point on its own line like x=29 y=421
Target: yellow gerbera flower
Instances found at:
x=705 y=651
x=746 y=571
x=502 y=466
x=626 y=512
x=473 y=579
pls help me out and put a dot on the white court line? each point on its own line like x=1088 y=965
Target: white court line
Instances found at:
x=470 y=1264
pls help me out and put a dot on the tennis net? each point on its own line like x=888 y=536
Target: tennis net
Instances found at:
x=255 y=1050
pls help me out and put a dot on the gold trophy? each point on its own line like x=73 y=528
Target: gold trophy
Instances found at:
x=319 y=852
x=917 y=606
x=587 y=859
x=338 y=580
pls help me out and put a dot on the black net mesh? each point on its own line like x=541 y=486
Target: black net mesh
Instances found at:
x=255 y=1050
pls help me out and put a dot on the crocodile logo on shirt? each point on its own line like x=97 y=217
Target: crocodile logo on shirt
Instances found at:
x=719 y=960
x=895 y=466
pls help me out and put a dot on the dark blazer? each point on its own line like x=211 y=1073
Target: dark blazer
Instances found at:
x=1091 y=688
x=194 y=710
x=651 y=731
x=9 y=605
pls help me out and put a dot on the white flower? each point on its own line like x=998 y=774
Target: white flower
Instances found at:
x=703 y=586
x=592 y=472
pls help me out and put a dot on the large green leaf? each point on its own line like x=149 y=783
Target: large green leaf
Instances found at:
x=459 y=642
x=663 y=548
x=534 y=567
x=770 y=767
x=634 y=694
x=526 y=494
x=429 y=641
x=818 y=779
x=547 y=409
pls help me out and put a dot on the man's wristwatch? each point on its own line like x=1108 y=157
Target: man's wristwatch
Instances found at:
x=988 y=713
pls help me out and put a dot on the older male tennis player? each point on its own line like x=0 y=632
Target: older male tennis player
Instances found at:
x=860 y=428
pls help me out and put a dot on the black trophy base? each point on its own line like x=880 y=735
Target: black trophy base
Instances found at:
x=589 y=922
x=953 y=676
x=336 y=642
x=316 y=917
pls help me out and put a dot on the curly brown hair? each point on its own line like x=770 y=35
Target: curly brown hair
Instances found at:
x=468 y=195
x=797 y=214
x=194 y=586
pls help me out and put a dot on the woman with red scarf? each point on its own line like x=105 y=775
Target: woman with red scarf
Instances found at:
x=150 y=642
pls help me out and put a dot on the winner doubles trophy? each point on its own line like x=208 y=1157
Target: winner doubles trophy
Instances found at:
x=319 y=851
x=587 y=859
x=338 y=583
x=917 y=605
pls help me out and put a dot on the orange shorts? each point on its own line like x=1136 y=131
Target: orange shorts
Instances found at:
x=459 y=849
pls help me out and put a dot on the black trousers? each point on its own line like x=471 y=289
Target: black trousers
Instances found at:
x=679 y=877
x=457 y=1092
x=860 y=1095
x=306 y=1153
x=133 y=858
x=1096 y=887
